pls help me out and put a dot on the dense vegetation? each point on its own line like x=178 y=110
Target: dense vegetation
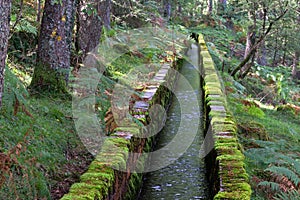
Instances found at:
x=255 y=46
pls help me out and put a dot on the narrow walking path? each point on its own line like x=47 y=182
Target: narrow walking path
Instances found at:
x=185 y=177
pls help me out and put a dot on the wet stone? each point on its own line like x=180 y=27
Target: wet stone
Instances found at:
x=141 y=105
x=214 y=95
x=148 y=94
x=224 y=135
x=126 y=135
x=159 y=78
x=165 y=67
x=217 y=108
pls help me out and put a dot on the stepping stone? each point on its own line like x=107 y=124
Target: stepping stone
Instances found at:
x=140 y=106
x=218 y=108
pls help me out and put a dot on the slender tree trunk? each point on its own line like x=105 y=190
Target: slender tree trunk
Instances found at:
x=90 y=26
x=295 y=72
x=262 y=59
x=295 y=64
x=54 y=47
x=38 y=10
x=222 y=6
x=167 y=9
x=210 y=7
x=284 y=50
x=104 y=11
x=5 y=7
x=275 y=49
x=249 y=45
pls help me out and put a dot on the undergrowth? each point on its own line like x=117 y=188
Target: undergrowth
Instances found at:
x=37 y=140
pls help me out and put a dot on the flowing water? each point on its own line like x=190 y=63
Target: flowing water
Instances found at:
x=185 y=178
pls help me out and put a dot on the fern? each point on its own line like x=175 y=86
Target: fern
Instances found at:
x=272 y=185
x=291 y=195
x=286 y=172
x=14 y=90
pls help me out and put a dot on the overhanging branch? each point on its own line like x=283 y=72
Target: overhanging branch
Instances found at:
x=253 y=49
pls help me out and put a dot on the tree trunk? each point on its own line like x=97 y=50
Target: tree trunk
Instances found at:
x=222 y=7
x=53 y=58
x=5 y=7
x=167 y=9
x=249 y=45
x=262 y=59
x=104 y=12
x=284 y=48
x=90 y=24
x=275 y=49
x=295 y=72
x=210 y=7
x=38 y=10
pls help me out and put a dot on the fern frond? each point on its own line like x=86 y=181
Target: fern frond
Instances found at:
x=291 y=195
x=273 y=186
x=283 y=171
x=291 y=162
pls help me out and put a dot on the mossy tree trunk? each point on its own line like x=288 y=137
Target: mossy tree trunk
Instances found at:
x=5 y=6
x=53 y=58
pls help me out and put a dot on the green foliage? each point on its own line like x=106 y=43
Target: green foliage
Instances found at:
x=42 y=145
x=27 y=27
x=14 y=90
x=257 y=112
x=294 y=195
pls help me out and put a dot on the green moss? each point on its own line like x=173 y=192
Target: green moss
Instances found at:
x=232 y=157
x=84 y=190
x=132 y=129
x=236 y=195
x=97 y=166
x=98 y=178
x=47 y=80
x=231 y=160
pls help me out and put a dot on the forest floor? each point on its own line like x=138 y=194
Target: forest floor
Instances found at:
x=44 y=148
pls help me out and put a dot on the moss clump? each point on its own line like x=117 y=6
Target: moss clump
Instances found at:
x=237 y=195
x=47 y=80
x=236 y=156
x=85 y=191
x=131 y=129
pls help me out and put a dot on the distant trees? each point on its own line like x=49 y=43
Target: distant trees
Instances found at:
x=54 y=47
x=5 y=7
x=262 y=16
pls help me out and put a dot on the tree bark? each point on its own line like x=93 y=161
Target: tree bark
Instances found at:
x=295 y=64
x=90 y=24
x=5 y=7
x=262 y=59
x=295 y=72
x=210 y=7
x=54 y=47
x=222 y=7
x=167 y=9
x=251 y=37
x=275 y=49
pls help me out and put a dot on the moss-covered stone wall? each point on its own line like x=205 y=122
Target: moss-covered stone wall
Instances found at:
x=112 y=174
x=225 y=163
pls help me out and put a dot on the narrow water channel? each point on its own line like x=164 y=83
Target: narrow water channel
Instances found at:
x=185 y=178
